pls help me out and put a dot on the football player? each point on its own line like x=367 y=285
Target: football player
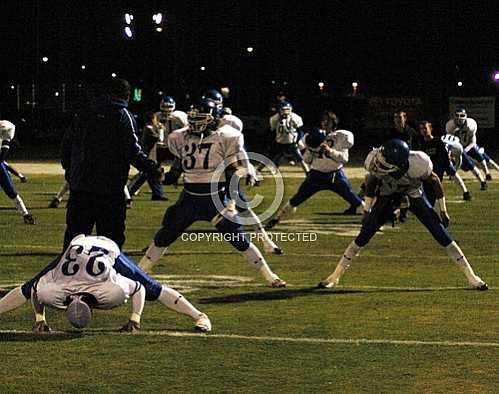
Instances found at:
x=465 y=128
x=394 y=171
x=228 y=118
x=440 y=156
x=92 y=273
x=326 y=154
x=287 y=125
x=7 y=132
x=199 y=150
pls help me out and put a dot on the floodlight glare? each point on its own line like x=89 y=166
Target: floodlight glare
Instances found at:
x=56 y=94
x=159 y=29
x=128 y=19
x=460 y=83
x=202 y=68
x=158 y=18
x=113 y=75
x=249 y=49
x=12 y=87
x=495 y=76
x=45 y=59
x=83 y=67
x=355 y=84
x=321 y=85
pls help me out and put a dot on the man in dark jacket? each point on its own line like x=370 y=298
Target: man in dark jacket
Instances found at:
x=97 y=152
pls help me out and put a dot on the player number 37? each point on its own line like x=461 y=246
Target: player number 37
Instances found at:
x=73 y=261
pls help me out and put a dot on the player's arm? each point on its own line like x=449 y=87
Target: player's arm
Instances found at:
x=138 y=301
x=39 y=309
x=371 y=185
x=440 y=198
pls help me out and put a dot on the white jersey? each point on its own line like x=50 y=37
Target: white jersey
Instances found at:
x=86 y=267
x=7 y=131
x=466 y=133
x=340 y=141
x=420 y=167
x=200 y=158
x=286 y=128
x=453 y=145
x=170 y=122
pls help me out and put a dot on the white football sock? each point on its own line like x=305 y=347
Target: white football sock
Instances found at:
x=62 y=190
x=267 y=241
x=14 y=299
x=460 y=183
x=151 y=257
x=346 y=260
x=19 y=203
x=256 y=259
x=456 y=254
x=478 y=174
x=494 y=164
x=173 y=300
x=127 y=193
x=485 y=167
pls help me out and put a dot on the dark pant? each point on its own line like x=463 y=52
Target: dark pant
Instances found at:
x=382 y=211
x=154 y=184
x=106 y=211
x=6 y=182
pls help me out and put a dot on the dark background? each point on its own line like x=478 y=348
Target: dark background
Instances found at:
x=391 y=48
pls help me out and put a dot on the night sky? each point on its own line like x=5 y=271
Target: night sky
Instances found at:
x=388 y=47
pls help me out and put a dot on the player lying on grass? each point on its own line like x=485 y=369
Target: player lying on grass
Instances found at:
x=394 y=171
x=93 y=274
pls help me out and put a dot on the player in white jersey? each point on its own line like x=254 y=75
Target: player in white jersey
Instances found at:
x=7 y=132
x=92 y=273
x=465 y=128
x=228 y=118
x=199 y=151
x=326 y=154
x=287 y=125
x=394 y=171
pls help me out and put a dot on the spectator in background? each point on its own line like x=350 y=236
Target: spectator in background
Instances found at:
x=401 y=130
x=97 y=151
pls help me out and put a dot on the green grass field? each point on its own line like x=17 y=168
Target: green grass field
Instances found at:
x=403 y=319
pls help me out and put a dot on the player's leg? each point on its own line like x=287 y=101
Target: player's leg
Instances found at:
x=59 y=195
x=379 y=214
x=16 y=173
x=169 y=297
x=12 y=300
x=475 y=154
x=429 y=218
x=311 y=185
x=341 y=185
x=295 y=153
x=232 y=231
x=80 y=216
x=136 y=183
x=10 y=190
x=469 y=165
x=177 y=218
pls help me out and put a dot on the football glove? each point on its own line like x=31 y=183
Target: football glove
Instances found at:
x=131 y=326
x=41 y=326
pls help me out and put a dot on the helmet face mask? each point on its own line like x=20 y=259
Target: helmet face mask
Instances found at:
x=285 y=109
x=167 y=104
x=202 y=117
x=460 y=116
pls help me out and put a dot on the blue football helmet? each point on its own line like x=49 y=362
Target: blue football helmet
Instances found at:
x=285 y=108
x=167 y=104
x=391 y=158
x=315 y=137
x=215 y=96
x=203 y=117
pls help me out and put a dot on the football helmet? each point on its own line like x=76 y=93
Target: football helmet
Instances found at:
x=460 y=116
x=285 y=108
x=167 y=104
x=215 y=96
x=315 y=137
x=79 y=312
x=390 y=158
x=203 y=117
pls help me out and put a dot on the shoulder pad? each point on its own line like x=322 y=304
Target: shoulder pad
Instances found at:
x=420 y=165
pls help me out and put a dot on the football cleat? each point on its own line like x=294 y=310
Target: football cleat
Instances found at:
x=278 y=283
x=22 y=178
x=352 y=210
x=483 y=185
x=488 y=177
x=203 y=323
x=54 y=203
x=129 y=203
x=28 y=219
x=272 y=249
x=324 y=284
x=41 y=326
x=481 y=286
x=466 y=196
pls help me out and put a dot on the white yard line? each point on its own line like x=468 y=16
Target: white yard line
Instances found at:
x=344 y=341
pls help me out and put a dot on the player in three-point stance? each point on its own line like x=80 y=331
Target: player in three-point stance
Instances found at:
x=394 y=171
x=93 y=273
x=199 y=149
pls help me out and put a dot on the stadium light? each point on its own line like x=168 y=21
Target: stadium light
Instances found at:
x=495 y=76
x=56 y=94
x=459 y=83
x=157 y=18
x=128 y=32
x=128 y=18
x=250 y=49
x=45 y=59
x=159 y=29
x=202 y=68
x=113 y=75
x=83 y=67
x=355 y=85
x=12 y=87
x=321 y=85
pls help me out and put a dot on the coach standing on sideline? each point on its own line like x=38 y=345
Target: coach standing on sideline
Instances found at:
x=97 y=151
